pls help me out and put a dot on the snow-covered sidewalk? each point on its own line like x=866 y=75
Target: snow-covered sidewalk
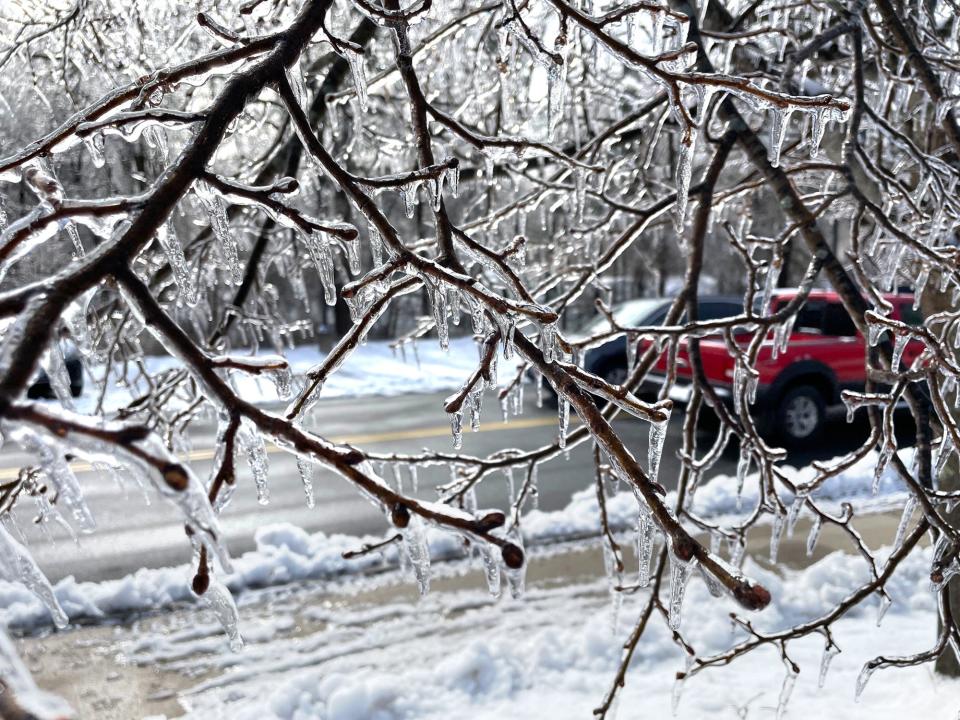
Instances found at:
x=369 y=650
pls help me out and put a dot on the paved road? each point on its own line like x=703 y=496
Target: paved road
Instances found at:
x=132 y=534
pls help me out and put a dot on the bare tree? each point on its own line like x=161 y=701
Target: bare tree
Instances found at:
x=547 y=140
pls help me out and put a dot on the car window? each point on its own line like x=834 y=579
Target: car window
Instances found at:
x=718 y=310
x=635 y=312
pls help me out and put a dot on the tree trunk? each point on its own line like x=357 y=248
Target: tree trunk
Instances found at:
x=934 y=301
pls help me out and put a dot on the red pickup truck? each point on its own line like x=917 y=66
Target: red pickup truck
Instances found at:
x=799 y=386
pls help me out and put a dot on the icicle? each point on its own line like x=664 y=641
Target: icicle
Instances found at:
x=298 y=84
x=684 y=173
x=78 y=251
x=776 y=533
x=353 y=256
x=319 y=248
x=743 y=467
x=282 y=379
x=219 y=599
x=830 y=651
x=818 y=126
x=230 y=250
x=251 y=442
x=456 y=428
x=440 y=313
x=376 y=246
x=679 y=574
x=491 y=568
x=786 y=690
x=55 y=368
x=794 y=513
x=417 y=552
x=564 y=423
x=170 y=243
x=645 y=536
x=943 y=455
x=814 y=535
x=355 y=58
x=778 y=126
x=919 y=285
x=675 y=694
x=308 y=472
x=580 y=192
x=614 y=579
x=453 y=179
x=94 y=144
x=862 y=680
x=874 y=332
x=899 y=343
x=885 y=602
x=656 y=437
x=408 y=194
x=17 y=565
x=516 y=577
x=908 y=509
x=887 y=451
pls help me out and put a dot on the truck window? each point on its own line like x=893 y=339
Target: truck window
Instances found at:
x=837 y=322
x=810 y=318
x=909 y=315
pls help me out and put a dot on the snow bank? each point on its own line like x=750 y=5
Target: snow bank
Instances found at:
x=555 y=655
x=285 y=553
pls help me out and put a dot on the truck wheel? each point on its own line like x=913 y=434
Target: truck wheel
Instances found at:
x=800 y=415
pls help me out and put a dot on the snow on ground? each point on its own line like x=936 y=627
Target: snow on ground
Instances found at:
x=372 y=369
x=551 y=654
x=285 y=553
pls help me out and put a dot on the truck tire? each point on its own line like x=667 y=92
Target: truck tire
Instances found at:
x=800 y=415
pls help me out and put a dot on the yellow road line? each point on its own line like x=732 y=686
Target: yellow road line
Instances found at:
x=362 y=439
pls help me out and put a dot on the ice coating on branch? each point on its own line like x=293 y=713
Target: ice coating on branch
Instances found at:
x=251 y=442
x=212 y=202
x=679 y=575
x=64 y=482
x=308 y=474
x=17 y=565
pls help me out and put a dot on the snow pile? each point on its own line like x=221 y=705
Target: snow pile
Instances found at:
x=372 y=369
x=554 y=655
x=718 y=499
